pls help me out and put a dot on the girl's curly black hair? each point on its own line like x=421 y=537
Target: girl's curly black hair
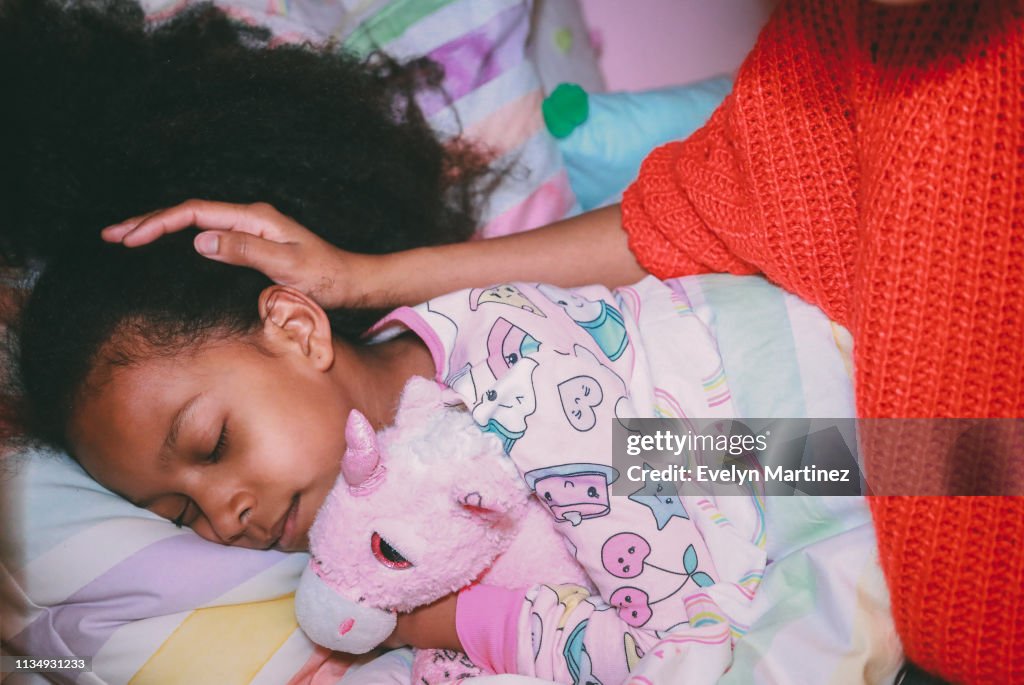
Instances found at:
x=105 y=117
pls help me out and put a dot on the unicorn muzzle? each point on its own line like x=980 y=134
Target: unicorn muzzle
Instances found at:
x=336 y=622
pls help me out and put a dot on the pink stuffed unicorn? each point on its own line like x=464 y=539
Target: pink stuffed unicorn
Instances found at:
x=420 y=510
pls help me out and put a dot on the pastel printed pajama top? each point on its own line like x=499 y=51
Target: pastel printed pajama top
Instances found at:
x=547 y=370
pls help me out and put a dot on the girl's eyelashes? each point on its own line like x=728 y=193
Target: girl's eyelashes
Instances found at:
x=213 y=457
x=180 y=520
x=218 y=450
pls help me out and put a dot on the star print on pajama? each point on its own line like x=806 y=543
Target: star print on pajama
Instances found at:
x=661 y=498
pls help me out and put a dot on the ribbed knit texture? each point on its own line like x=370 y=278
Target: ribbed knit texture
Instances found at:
x=871 y=160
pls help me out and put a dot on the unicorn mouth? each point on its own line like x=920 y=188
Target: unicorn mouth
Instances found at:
x=388 y=555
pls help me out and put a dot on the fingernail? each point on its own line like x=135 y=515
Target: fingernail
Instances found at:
x=207 y=243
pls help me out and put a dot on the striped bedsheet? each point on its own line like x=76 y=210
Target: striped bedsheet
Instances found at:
x=495 y=94
x=822 y=608
x=85 y=573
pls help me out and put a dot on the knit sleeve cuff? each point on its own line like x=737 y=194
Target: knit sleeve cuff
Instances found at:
x=642 y=219
x=673 y=213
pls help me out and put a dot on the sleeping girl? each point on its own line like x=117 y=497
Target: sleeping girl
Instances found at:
x=217 y=399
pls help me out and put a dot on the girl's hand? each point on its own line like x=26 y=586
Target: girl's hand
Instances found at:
x=259 y=237
x=428 y=627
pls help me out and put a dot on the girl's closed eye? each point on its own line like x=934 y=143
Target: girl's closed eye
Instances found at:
x=217 y=453
x=179 y=521
x=212 y=457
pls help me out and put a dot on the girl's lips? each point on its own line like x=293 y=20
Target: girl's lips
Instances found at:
x=286 y=540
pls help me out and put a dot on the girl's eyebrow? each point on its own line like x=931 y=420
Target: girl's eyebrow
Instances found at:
x=171 y=441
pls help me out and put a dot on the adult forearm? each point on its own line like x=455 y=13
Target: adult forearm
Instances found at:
x=590 y=248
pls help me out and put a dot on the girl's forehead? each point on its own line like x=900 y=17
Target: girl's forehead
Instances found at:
x=130 y=410
x=138 y=392
x=133 y=360
x=150 y=387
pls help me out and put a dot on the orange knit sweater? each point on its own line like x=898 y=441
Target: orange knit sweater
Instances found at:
x=871 y=160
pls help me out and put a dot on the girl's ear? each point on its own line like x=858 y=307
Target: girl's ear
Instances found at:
x=293 y=322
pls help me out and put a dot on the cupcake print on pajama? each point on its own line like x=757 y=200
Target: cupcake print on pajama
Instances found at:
x=573 y=492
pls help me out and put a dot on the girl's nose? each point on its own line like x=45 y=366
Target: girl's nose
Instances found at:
x=230 y=518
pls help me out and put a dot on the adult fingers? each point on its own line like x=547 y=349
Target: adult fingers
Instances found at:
x=258 y=219
x=116 y=232
x=200 y=213
x=272 y=258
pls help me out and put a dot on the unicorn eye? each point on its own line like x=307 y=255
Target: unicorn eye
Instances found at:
x=388 y=555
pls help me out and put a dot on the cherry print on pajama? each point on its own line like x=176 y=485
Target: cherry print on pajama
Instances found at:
x=623 y=555
x=633 y=604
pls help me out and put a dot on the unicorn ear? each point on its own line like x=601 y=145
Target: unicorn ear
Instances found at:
x=492 y=488
x=362 y=455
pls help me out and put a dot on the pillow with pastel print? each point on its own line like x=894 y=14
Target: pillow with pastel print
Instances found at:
x=492 y=89
x=85 y=573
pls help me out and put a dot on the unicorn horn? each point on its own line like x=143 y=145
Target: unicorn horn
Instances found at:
x=361 y=452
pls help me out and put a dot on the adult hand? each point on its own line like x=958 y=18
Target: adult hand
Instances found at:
x=259 y=237
x=590 y=248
